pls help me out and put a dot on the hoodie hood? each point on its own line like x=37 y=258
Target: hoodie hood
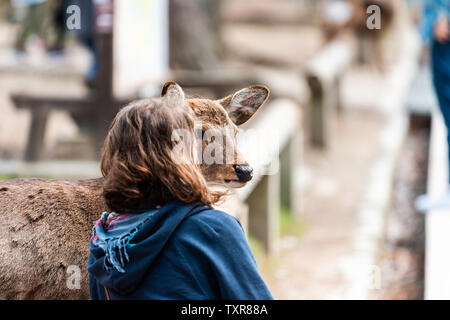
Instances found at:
x=120 y=256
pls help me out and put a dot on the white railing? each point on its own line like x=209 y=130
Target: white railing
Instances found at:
x=437 y=223
x=257 y=204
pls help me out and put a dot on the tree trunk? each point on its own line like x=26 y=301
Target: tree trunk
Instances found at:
x=195 y=41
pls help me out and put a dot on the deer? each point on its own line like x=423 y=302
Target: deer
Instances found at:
x=47 y=224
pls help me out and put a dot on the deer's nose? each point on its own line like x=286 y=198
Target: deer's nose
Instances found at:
x=244 y=173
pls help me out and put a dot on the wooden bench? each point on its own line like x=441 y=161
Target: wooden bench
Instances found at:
x=99 y=108
x=97 y=111
x=323 y=74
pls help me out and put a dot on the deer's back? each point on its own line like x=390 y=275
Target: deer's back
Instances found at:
x=45 y=228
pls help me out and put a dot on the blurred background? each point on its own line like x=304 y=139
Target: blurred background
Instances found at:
x=352 y=108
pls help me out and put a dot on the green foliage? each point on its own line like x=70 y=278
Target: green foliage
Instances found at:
x=7 y=177
x=255 y=246
x=266 y=264
x=290 y=225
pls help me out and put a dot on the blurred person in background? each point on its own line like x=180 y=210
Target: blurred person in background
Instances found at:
x=33 y=22
x=435 y=31
x=58 y=17
x=44 y=19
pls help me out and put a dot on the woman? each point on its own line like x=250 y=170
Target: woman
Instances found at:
x=162 y=239
x=435 y=31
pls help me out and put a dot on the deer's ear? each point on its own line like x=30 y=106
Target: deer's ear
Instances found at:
x=173 y=93
x=243 y=104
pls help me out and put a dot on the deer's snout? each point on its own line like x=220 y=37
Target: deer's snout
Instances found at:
x=244 y=173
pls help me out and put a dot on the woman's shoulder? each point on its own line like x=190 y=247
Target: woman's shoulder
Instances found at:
x=211 y=223
x=212 y=215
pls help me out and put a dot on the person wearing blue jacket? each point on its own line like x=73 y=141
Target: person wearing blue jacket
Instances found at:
x=435 y=32
x=162 y=239
x=434 y=23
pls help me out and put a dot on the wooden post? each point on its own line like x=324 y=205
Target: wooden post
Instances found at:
x=104 y=95
x=318 y=117
x=36 y=134
x=104 y=109
x=323 y=75
x=286 y=178
x=337 y=98
x=195 y=37
x=290 y=156
x=264 y=215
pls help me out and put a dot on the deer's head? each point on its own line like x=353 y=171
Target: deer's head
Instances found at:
x=217 y=126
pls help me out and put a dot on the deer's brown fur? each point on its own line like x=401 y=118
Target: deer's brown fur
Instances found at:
x=45 y=228
x=46 y=224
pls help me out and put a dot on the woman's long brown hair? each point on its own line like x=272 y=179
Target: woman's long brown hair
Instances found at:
x=137 y=161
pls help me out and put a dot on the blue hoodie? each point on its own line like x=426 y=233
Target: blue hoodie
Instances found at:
x=182 y=252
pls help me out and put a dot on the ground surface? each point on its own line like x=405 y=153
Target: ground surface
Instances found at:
x=403 y=258
x=309 y=266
